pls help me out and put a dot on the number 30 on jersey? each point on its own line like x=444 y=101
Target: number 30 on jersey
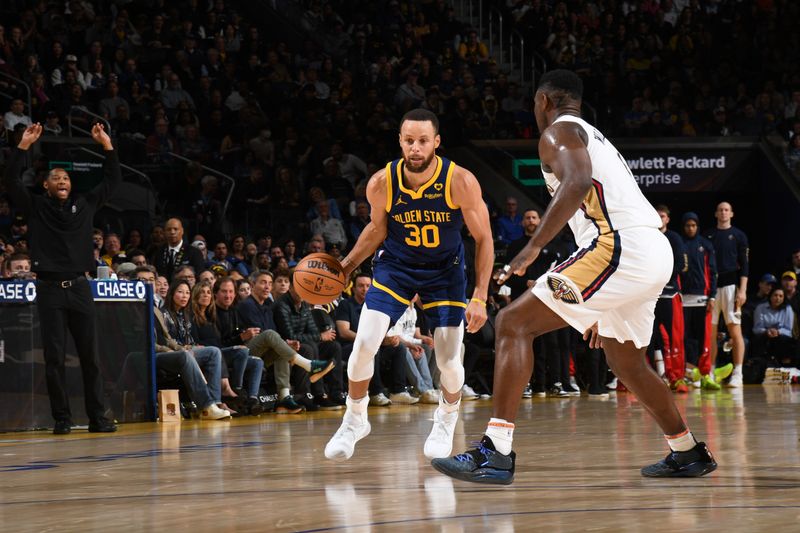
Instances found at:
x=427 y=235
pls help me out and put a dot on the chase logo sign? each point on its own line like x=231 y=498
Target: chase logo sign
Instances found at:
x=118 y=291
x=17 y=291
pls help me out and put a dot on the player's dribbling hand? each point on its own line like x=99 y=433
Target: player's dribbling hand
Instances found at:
x=593 y=337
x=476 y=316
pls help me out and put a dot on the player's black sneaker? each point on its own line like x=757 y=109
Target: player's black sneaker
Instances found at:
x=693 y=463
x=484 y=464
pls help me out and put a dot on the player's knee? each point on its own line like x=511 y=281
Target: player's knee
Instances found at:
x=452 y=374
x=506 y=324
x=360 y=366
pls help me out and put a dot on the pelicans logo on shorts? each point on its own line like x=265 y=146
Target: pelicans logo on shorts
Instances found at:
x=562 y=291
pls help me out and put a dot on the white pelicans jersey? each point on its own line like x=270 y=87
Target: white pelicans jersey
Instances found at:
x=615 y=201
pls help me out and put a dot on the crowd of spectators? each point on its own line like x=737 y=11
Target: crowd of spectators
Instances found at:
x=300 y=128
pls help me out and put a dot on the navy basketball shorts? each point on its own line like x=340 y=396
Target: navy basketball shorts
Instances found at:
x=442 y=291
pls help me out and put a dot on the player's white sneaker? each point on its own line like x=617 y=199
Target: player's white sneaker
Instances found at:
x=343 y=443
x=439 y=443
x=735 y=382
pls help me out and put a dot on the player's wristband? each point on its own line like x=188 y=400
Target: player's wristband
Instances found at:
x=478 y=300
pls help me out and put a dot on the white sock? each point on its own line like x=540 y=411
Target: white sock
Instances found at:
x=502 y=434
x=448 y=407
x=658 y=359
x=737 y=370
x=356 y=412
x=711 y=375
x=302 y=362
x=283 y=393
x=682 y=442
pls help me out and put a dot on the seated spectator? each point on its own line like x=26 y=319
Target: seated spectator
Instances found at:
x=137 y=257
x=772 y=330
x=179 y=326
x=791 y=294
x=237 y=358
x=237 y=256
x=330 y=228
x=283 y=278
x=110 y=104
x=174 y=360
x=765 y=286
x=133 y=240
x=187 y=274
x=207 y=276
x=253 y=324
x=317 y=195
x=17 y=266
x=16 y=115
x=160 y=143
x=243 y=290
x=351 y=167
x=416 y=347
x=125 y=270
x=290 y=253
x=220 y=256
x=296 y=324
x=173 y=94
x=509 y=225
x=113 y=249
x=472 y=50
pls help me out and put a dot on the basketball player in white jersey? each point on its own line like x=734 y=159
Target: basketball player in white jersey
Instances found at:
x=607 y=289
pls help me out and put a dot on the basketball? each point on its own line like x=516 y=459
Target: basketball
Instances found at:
x=318 y=279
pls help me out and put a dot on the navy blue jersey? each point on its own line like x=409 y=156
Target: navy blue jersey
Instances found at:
x=733 y=254
x=701 y=278
x=680 y=264
x=424 y=226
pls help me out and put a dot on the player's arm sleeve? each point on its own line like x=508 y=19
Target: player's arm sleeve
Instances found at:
x=743 y=255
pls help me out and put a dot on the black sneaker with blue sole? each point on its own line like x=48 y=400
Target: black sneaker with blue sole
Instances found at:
x=484 y=464
x=693 y=463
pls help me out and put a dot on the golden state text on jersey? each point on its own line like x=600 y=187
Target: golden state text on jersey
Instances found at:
x=424 y=226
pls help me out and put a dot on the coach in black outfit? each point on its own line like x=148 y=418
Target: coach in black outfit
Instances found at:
x=61 y=251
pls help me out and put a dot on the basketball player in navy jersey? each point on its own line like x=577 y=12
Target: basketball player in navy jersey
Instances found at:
x=606 y=290
x=419 y=204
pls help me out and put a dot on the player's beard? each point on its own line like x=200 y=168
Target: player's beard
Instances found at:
x=419 y=167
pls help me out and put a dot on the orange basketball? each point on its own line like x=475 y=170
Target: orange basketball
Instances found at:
x=318 y=279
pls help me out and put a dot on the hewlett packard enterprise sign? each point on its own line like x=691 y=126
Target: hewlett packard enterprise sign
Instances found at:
x=102 y=291
x=676 y=170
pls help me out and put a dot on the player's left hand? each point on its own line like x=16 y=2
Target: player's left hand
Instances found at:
x=593 y=337
x=476 y=316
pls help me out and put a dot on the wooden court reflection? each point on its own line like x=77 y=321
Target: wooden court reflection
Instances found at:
x=578 y=470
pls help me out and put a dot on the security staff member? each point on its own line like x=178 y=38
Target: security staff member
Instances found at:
x=61 y=249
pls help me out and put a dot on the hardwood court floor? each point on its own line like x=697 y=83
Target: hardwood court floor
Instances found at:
x=578 y=470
